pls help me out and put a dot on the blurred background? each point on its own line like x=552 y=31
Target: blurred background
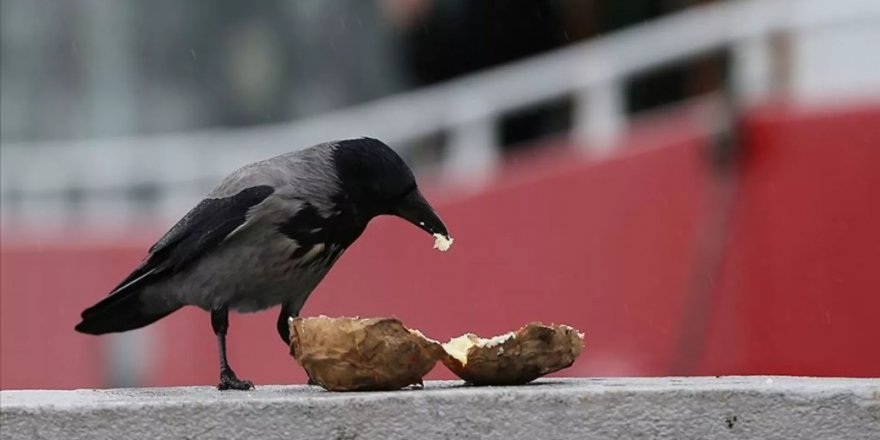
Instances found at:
x=694 y=184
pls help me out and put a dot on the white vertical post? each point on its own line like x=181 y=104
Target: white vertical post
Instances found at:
x=100 y=173
x=472 y=150
x=42 y=183
x=11 y=184
x=753 y=75
x=177 y=180
x=599 y=115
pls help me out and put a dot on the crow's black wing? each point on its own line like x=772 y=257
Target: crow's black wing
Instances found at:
x=201 y=229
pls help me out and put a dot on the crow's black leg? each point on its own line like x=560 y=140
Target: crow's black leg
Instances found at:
x=288 y=311
x=283 y=327
x=228 y=379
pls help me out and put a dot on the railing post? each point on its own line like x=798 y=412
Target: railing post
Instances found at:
x=753 y=76
x=43 y=203
x=101 y=200
x=472 y=149
x=179 y=189
x=599 y=115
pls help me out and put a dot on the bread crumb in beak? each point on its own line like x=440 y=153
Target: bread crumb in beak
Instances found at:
x=442 y=242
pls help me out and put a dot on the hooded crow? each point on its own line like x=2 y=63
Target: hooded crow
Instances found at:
x=266 y=236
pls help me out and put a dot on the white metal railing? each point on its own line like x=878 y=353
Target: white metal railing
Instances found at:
x=183 y=166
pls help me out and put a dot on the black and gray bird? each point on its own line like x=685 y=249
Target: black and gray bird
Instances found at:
x=265 y=236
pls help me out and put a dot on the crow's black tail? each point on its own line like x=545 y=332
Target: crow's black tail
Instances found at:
x=119 y=312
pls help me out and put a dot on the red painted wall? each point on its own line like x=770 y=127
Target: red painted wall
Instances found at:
x=800 y=288
x=42 y=289
x=607 y=246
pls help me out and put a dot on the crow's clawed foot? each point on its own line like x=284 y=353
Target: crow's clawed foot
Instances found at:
x=228 y=381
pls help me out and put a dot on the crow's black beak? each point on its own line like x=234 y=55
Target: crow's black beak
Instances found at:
x=416 y=210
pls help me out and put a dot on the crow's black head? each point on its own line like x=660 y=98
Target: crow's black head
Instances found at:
x=379 y=182
x=371 y=171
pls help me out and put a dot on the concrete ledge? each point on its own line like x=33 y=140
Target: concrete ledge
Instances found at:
x=655 y=408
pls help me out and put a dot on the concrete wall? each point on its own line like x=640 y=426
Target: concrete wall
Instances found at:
x=661 y=408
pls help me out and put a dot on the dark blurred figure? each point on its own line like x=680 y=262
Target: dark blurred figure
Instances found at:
x=450 y=38
x=669 y=84
x=446 y=39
